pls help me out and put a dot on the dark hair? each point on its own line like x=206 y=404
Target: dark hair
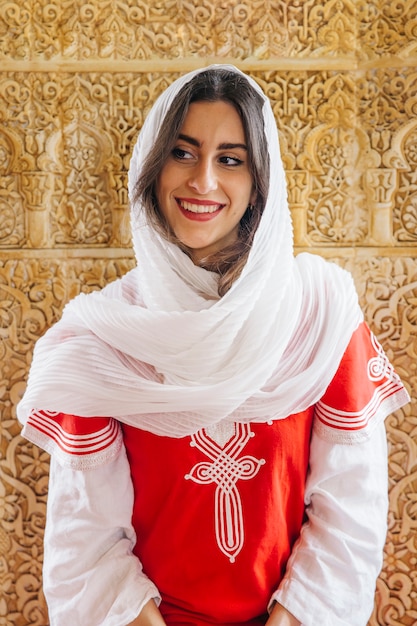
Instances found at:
x=213 y=85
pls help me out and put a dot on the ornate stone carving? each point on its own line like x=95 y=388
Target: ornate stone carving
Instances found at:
x=387 y=28
x=76 y=82
x=388 y=290
x=262 y=29
x=11 y=205
x=405 y=206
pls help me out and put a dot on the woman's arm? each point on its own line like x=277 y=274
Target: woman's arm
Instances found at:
x=91 y=575
x=332 y=572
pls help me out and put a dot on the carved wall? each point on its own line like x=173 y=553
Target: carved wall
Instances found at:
x=76 y=81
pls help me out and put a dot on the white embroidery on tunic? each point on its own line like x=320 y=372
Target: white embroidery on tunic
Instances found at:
x=379 y=370
x=221 y=432
x=223 y=444
x=379 y=366
x=75 y=450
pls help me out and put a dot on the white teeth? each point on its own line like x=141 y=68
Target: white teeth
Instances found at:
x=200 y=208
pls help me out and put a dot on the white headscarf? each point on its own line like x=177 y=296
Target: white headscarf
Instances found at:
x=158 y=348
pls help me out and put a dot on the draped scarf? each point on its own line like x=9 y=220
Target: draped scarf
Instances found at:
x=160 y=350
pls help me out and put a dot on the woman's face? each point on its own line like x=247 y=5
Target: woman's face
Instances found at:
x=205 y=186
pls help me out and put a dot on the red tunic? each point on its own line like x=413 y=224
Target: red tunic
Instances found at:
x=217 y=514
x=216 y=523
x=216 y=519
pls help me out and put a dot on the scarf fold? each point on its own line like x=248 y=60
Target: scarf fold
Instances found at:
x=158 y=349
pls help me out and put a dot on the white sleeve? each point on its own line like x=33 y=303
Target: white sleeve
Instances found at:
x=90 y=574
x=331 y=574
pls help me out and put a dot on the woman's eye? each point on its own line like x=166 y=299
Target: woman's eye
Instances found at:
x=180 y=154
x=228 y=160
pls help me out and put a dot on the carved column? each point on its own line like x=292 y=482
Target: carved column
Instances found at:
x=298 y=189
x=37 y=188
x=381 y=185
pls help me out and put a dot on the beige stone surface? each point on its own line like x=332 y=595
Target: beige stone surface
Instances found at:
x=76 y=82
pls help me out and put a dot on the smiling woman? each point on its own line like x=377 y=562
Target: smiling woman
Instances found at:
x=205 y=186
x=235 y=113
x=216 y=416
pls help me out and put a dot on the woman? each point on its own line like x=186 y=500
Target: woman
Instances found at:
x=215 y=417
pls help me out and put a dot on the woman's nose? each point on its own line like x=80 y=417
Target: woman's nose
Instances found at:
x=203 y=177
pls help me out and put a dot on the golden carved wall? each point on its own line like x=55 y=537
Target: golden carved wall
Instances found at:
x=76 y=81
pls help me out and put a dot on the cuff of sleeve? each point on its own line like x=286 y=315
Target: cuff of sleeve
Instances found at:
x=309 y=610
x=129 y=605
x=288 y=595
x=289 y=601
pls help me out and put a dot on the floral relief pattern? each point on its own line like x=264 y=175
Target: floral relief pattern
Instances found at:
x=77 y=80
x=173 y=29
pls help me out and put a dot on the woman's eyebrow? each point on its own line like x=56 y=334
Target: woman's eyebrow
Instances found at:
x=222 y=146
x=231 y=146
x=191 y=140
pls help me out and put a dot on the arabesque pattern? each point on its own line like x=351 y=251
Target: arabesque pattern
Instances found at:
x=77 y=79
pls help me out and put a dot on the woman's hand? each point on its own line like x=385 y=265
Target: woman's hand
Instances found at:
x=149 y=616
x=281 y=617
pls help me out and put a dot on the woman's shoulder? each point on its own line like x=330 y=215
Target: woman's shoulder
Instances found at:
x=320 y=275
x=308 y=261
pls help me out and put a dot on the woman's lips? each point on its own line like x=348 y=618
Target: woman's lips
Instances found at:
x=199 y=210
